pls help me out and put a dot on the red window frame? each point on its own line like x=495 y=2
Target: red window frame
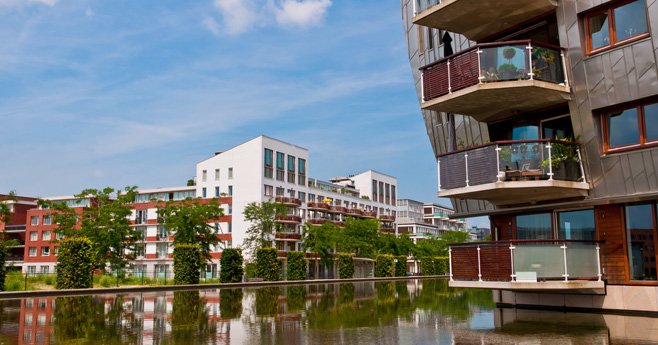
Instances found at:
x=641 y=127
x=610 y=10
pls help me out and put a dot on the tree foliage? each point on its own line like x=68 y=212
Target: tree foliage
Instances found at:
x=189 y=222
x=359 y=237
x=5 y=217
x=75 y=263
x=401 y=266
x=345 y=266
x=296 y=266
x=187 y=263
x=106 y=223
x=263 y=225
x=267 y=264
x=395 y=245
x=384 y=267
x=230 y=264
x=321 y=240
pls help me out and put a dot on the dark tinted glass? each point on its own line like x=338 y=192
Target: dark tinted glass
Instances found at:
x=630 y=20
x=534 y=227
x=623 y=128
x=576 y=225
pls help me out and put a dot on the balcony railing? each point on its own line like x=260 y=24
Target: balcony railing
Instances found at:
x=490 y=63
x=526 y=162
x=289 y=219
x=317 y=206
x=422 y=5
x=288 y=201
x=525 y=260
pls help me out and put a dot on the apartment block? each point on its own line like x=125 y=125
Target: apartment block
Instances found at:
x=423 y=220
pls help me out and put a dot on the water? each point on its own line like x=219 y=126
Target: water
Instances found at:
x=403 y=312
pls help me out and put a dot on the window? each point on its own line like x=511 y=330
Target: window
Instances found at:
x=268 y=162
x=216 y=174
x=291 y=169
x=640 y=232
x=47 y=220
x=230 y=173
x=387 y=192
x=269 y=190
x=204 y=175
x=311 y=197
x=141 y=216
x=161 y=250
x=203 y=192
x=576 y=225
x=34 y=220
x=45 y=236
x=34 y=236
x=630 y=127
x=230 y=190
x=279 y=191
x=534 y=227
x=301 y=177
x=374 y=190
x=139 y=250
x=56 y=250
x=33 y=251
x=45 y=251
x=216 y=192
x=430 y=38
x=230 y=209
x=301 y=196
x=615 y=24
x=230 y=227
x=381 y=192
x=393 y=196
x=59 y=235
x=44 y=270
x=279 y=166
x=162 y=232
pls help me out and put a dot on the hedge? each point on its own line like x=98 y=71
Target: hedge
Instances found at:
x=187 y=263
x=345 y=266
x=3 y=269
x=75 y=263
x=431 y=266
x=297 y=268
x=230 y=306
x=384 y=266
x=401 y=266
x=230 y=266
x=267 y=264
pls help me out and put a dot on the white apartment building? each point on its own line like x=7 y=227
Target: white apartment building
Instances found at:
x=422 y=220
x=266 y=169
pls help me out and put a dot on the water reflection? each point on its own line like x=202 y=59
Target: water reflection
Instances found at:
x=401 y=312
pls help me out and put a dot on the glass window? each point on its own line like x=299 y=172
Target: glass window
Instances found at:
x=203 y=192
x=33 y=251
x=47 y=220
x=216 y=174
x=230 y=190
x=268 y=190
x=45 y=236
x=625 y=128
x=34 y=236
x=230 y=173
x=204 y=175
x=280 y=164
x=534 y=227
x=599 y=30
x=640 y=242
x=216 y=192
x=34 y=220
x=630 y=20
x=616 y=24
x=651 y=122
x=576 y=225
x=268 y=163
x=45 y=251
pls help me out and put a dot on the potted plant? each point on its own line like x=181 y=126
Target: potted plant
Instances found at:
x=564 y=160
x=507 y=71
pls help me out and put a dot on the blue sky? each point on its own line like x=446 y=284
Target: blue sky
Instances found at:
x=116 y=93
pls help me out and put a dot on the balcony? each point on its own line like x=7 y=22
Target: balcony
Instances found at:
x=477 y=19
x=493 y=81
x=294 y=236
x=338 y=209
x=386 y=218
x=318 y=206
x=369 y=214
x=528 y=265
x=290 y=219
x=292 y=202
x=318 y=221
x=514 y=172
x=353 y=212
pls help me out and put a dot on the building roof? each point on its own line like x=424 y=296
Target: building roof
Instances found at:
x=252 y=139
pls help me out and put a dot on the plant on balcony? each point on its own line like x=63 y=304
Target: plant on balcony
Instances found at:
x=507 y=71
x=345 y=266
x=564 y=159
x=297 y=266
x=509 y=53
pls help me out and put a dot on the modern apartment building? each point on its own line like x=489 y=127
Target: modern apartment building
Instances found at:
x=14 y=228
x=423 y=220
x=542 y=116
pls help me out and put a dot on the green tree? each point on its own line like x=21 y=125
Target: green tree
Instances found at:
x=360 y=236
x=345 y=266
x=267 y=264
x=263 y=224
x=231 y=270
x=189 y=222
x=187 y=263
x=321 y=240
x=5 y=218
x=296 y=266
x=75 y=263
x=395 y=245
x=385 y=266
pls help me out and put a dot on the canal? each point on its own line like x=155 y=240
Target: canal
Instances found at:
x=400 y=312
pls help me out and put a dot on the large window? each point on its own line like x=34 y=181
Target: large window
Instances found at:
x=534 y=227
x=640 y=233
x=616 y=24
x=280 y=166
x=269 y=163
x=630 y=127
x=576 y=225
x=291 y=169
x=302 y=171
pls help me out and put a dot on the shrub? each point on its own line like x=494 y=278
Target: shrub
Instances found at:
x=345 y=266
x=434 y=265
x=106 y=281
x=75 y=263
x=187 y=263
x=401 y=266
x=3 y=269
x=267 y=264
x=230 y=266
x=384 y=266
x=297 y=266
x=441 y=265
x=230 y=306
x=427 y=266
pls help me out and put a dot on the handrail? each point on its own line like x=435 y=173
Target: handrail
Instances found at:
x=509 y=142
x=508 y=242
x=489 y=45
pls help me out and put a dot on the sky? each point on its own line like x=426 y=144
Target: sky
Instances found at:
x=123 y=92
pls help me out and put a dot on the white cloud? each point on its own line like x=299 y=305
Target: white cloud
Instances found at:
x=45 y=2
x=239 y=15
x=89 y=12
x=302 y=12
x=211 y=24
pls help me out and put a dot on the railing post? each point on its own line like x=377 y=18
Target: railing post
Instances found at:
x=564 y=257
x=479 y=266
x=450 y=261
x=438 y=170
x=500 y=173
x=449 y=81
x=480 y=76
x=422 y=85
x=466 y=160
x=531 y=74
x=598 y=261
x=550 y=162
x=511 y=255
x=582 y=169
x=415 y=10
x=564 y=68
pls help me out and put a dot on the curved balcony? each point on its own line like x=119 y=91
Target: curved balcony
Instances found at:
x=493 y=81
x=289 y=219
x=369 y=214
x=386 y=218
x=288 y=236
x=318 y=206
x=387 y=229
x=339 y=223
x=528 y=265
x=293 y=202
x=318 y=221
x=338 y=209
x=514 y=172
x=353 y=212
x=478 y=19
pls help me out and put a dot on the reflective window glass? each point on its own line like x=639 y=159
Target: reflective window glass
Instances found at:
x=599 y=30
x=651 y=121
x=534 y=227
x=630 y=20
x=640 y=242
x=623 y=128
x=576 y=225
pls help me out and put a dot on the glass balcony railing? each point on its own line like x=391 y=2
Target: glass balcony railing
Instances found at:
x=522 y=160
x=494 y=62
x=525 y=260
x=422 y=5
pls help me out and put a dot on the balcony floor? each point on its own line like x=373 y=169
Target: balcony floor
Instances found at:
x=519 y=192
x=495 y=101
x=478 y=19
x=572 y=286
